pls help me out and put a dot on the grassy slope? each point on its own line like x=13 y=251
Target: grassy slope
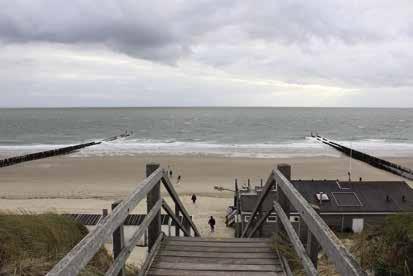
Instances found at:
x=31 y=244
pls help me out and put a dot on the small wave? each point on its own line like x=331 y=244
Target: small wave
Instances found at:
x=306 y=147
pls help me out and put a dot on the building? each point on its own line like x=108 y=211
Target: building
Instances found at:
x=344 y=206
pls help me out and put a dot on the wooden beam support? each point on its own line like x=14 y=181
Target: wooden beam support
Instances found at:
x=259 y=223
x=344 y=262
x=84 y=251
x=153 y=197
x=118 y=240
x=308 y=266
x=177 y=215
x=268 y=185
x=178 y=224
x=120 y=261
x=174 y=195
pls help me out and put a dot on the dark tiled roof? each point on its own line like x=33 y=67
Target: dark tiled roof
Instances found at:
x=374 y=196
x=365 y=196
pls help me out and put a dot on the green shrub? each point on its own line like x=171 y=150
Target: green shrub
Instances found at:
x=388 y=249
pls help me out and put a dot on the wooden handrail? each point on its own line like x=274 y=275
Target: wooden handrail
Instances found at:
x=84 y=251
x=268 y=185
x=334 y=248
x=308 y=266
x=174 y=195
x=149 y=259
x=124 y=254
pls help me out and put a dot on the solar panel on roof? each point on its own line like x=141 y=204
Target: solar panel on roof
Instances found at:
x=347 y=199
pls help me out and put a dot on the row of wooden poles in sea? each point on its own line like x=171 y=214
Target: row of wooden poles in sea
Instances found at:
x=54 y=152
x=367 y=158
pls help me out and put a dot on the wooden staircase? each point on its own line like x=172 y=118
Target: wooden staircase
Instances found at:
x=207 y=257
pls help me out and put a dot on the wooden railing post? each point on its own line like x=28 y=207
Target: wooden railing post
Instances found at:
x=177 y=215
x=313 y=246
x=152 y=198
x=186 y=225
x=118 y=239
x=285 y=169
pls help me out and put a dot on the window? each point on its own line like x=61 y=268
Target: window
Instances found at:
x=272 y=219
x=246 y=218
x=322 y=196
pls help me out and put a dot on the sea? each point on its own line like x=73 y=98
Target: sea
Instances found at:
x=249 y=132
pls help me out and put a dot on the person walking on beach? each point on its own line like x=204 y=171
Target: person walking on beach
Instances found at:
x=170 y=173
x=193 y=198
x=211 y=223
x=178 y=179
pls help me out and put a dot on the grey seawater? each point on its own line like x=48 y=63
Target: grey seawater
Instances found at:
x=255 y=132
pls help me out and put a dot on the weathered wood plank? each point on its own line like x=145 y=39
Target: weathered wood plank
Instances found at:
x=218 y=244
x=344 y=262
x=151 y=256
x=228 y=240
x=217 y=249
x=308 y=266
x=171 y=190
x=267 y=187
x=216 y=267
x=176 y=259
x=169 y=211
x=124 y=254
x=215 y=254
x=154 y=195
x=84 y=251
x=118 y=240
x=169 y=272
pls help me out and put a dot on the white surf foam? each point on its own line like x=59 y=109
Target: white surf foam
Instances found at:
x=305 y=148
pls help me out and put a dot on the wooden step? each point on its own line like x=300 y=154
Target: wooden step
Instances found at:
x=168 y=272
x=227 y=260
x=215 y=257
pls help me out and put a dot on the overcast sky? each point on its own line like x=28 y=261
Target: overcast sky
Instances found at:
x=202 y=53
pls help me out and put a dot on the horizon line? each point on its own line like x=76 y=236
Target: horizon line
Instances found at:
x=196 y=106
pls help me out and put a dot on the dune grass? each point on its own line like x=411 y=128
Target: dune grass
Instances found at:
x=31 y=244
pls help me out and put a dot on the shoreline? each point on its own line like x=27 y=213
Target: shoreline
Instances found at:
x=113 y=177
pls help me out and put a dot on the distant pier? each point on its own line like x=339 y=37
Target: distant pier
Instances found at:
x=369 y=159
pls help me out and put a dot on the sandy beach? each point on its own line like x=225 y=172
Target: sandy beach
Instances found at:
x=87 y=185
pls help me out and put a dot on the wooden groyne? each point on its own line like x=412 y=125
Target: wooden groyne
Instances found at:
x=369 y=159
x=54 y=152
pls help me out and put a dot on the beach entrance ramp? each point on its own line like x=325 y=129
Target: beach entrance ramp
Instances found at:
x=194 y=255
x=214 y=257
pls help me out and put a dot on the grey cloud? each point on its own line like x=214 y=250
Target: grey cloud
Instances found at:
x=351 y=44
x=167 y=29
x=128 y=27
